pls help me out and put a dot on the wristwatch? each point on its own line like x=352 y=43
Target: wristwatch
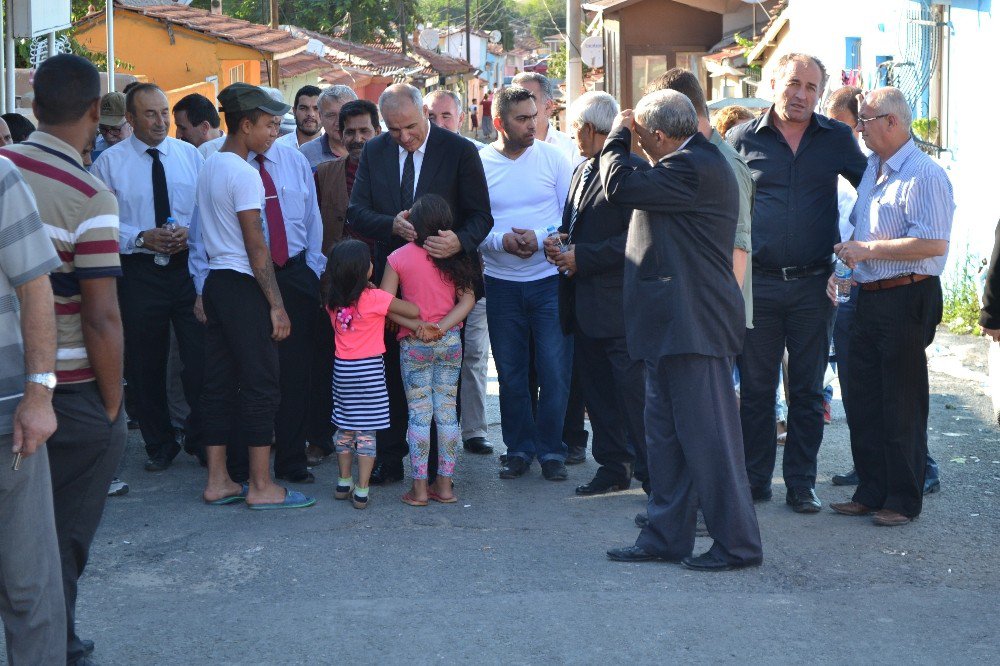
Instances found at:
x=139 y=242
x=46 y=379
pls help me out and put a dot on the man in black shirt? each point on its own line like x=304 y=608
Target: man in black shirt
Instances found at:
x=795 y=156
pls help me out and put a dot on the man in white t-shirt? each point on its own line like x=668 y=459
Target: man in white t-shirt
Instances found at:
x=528 y=181
x=242 y=303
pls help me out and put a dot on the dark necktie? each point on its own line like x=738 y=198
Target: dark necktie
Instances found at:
x=275 y=220
x=161 y=200
x=406 y=184
x=578 y=198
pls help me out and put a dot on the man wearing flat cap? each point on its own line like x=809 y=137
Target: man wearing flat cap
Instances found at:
x=113 y=127
x=243 y=304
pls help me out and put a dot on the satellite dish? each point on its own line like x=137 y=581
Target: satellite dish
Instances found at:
x=430 y=38
x=495 y=37
x=592 y=51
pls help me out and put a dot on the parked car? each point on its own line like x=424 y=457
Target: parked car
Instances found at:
x=541 y=66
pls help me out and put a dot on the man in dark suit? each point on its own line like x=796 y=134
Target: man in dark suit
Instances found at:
x=590 y=304
x=684 y=317
x=413 y=158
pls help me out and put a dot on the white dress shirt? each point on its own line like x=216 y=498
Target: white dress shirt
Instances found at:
x=565 y=144
x=418 y=159
x=291 y=139
x=211 y=146
x=127 y=170
x=296 y=187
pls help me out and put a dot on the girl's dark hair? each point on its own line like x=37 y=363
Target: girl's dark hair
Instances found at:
x=346 y=274
x=431 y=214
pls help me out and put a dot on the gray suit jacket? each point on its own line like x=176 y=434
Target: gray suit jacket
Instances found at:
x=680 y=293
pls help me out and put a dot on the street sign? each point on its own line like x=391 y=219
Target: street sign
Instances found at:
x=592 y=51
x=33 y=18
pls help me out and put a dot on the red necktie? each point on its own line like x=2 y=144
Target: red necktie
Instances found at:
x=275 y=220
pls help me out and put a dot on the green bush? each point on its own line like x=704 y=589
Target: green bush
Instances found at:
x=961 y=300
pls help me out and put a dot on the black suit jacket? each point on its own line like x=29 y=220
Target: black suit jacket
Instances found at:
x=591 y=298
x=451 y=169
x=680 y=293
x=990 y=315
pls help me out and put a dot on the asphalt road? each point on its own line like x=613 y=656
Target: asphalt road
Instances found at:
x=516 y=571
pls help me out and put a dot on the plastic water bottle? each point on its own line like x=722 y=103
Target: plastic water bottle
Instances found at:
x=842 y=275
x=553 y=233
x=159 y=258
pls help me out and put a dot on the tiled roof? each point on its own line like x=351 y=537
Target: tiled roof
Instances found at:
x=495 y=49
x=218 y=26
x=326 y=70
x=733 y=51
x=370 y=57
x=434 y=63
x=527 y=43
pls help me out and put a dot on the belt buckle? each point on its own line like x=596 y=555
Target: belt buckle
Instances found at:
x=784 y=273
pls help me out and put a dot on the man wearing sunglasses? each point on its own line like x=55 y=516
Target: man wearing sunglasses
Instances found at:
x=113 y=128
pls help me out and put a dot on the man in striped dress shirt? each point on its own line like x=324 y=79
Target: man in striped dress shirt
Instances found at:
x=81 y=218
x=902 y=223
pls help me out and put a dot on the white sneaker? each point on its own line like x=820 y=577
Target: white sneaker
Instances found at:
x=117 y=487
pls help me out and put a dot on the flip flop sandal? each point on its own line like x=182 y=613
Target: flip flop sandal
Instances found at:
x=231 y=499
x=408 y=498
x=443 y=500
x=293 y=500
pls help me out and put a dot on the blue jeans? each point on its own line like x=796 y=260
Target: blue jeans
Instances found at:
x=515 y=310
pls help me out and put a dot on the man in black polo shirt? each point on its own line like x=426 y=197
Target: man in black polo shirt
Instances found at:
x=795 y=156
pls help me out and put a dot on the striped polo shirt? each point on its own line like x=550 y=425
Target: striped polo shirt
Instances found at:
x=910 y=198
x=25 y=254
x=81 y=217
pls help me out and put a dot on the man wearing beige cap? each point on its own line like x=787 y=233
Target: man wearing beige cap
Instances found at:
x=113 y=127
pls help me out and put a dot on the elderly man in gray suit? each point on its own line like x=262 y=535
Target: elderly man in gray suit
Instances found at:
x=684 y=317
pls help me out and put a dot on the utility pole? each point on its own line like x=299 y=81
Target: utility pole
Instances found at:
x=574 y=61
x=468 y=33
x=402 y=26
x=274 y=62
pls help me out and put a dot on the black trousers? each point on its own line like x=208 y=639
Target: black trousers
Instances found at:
x=84 y=453
x=613 y=387
x=241 y=394
x=320 y=427
x=152 y=298
x=696 y=458
x=889 y=394
x=299 y=288
x=798 y=315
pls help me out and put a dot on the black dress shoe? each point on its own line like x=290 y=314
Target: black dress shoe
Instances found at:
x=633 y=554
x=601 y=484
x=761 y=494
x=803 y=500
x=931 y=486
x=849 y=479
x=513 y=467
x=477 y=445
x=298 y=476
x=157 y=464
x=386 y=473
x=709 y=562
x=88 y=646
x=554 y=470
x=576 y=455
x=641 y=519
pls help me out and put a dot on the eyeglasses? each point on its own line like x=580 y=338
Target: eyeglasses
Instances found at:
x=862 y=121
x=105 y=129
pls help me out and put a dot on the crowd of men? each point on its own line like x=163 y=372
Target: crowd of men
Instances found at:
x=629 y=266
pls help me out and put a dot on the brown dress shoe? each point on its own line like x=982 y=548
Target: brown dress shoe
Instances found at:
x=852 y=508
x=890 y=518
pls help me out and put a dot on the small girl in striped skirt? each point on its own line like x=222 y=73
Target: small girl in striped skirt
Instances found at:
x=358 y=311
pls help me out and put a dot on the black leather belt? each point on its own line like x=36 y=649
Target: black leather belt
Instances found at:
x=292 y=261
x=795 y=272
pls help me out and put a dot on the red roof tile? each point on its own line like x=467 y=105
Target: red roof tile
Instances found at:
x=219 y=26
